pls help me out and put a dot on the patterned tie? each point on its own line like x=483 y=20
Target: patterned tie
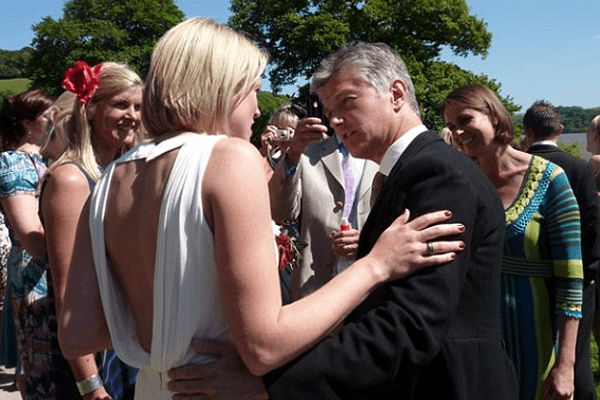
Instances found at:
x=376 y=186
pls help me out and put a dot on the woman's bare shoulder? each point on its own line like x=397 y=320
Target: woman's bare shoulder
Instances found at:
x=64 y=183
x=235 y=151
x=67 y=174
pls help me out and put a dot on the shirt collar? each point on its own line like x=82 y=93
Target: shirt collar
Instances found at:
x=394 y=152
x=544 y=143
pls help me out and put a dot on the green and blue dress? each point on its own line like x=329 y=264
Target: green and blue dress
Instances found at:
x=542 y=272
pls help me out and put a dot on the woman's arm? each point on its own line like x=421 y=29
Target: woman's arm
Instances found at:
x=561 y=379
x=266 y=334
x=22 y=213
x=65 y=193
x=563 y=221
x=82 y=304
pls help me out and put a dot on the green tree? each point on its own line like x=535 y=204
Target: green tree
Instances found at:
x=577 y=119
x=299 y=33
x=13 y=63
x=99 y=30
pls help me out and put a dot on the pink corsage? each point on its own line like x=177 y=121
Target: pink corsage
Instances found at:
x=82 y=80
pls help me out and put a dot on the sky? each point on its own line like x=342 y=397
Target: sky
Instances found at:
x=541 y=49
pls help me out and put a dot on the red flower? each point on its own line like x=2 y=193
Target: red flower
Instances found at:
x=82 y=80
x=288 y=254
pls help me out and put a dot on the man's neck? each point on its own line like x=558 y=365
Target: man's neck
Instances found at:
x=403 y=125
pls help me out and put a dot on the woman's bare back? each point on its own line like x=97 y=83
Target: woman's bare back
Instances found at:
x=131 y=227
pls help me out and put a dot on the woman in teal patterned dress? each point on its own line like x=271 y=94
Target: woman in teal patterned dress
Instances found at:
x=25 y=120
x=542 y=273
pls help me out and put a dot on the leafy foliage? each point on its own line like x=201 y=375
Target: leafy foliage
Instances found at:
x=96 y=31
x=13 y=63
x=577 y=119
x=573 y=149
x=300 y=33
x=574 y=119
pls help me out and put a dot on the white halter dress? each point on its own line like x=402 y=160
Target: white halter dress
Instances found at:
x=187 y=300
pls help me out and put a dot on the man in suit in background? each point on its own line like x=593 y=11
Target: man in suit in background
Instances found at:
x=542 y=130
x=435 y=334
x=318 y=183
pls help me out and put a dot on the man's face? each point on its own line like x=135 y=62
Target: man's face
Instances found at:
x=360 y=116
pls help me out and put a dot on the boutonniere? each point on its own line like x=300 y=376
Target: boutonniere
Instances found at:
x=289 y=250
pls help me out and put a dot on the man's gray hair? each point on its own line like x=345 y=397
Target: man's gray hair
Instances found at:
x=378 y=64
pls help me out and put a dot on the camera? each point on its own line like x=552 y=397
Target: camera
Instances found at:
x=282 y=135
x=315 y=109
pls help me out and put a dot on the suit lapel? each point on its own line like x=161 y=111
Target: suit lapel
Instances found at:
x=373 y=227
x=413 y=148
x=331 y=159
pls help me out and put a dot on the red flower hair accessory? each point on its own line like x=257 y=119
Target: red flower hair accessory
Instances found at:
x=82 y=80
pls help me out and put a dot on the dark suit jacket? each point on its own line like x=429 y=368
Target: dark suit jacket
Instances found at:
x=583 y=183
x=436 y=334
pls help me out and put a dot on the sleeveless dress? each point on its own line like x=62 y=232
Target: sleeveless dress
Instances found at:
x=31 y=295
x=186 y=298
x=542 y=272
x=118 y=377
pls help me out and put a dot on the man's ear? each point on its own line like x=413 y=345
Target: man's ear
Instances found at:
x=399 y=95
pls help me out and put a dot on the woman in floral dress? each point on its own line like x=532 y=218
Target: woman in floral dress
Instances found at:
x=25 y=122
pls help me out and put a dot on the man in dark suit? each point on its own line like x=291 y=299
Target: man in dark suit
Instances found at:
x=542 y=130
x=435 y=334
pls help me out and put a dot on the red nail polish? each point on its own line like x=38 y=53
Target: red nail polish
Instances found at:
x=448 y=213
x=461 y=228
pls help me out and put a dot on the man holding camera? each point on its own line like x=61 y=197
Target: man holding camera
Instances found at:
x=320 y=184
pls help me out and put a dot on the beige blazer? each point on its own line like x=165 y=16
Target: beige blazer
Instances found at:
x=315 y=195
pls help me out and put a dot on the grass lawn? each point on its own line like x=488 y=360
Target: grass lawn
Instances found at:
x=13 y=86
x=595 y=366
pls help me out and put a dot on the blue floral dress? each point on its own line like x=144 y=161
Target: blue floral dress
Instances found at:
x=30 y=293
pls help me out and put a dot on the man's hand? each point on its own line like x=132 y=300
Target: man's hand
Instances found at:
x=308 y=130
x=345 y=243
x=227 y=378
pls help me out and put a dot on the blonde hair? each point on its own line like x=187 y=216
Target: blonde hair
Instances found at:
x=114 y=79
x=284 y=116
x=64 y=105
x=446 y=134
x=198 y=69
